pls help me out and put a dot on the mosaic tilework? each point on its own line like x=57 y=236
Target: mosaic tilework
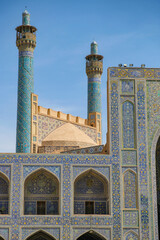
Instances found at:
x=135 y=73
x=25 y=88
x=27 y=170
x=77 y=232
x=116 y=162
x=6 y=170
x=128 y=124
x=131 y=236
x=79 y=169
x=94 y=95
x=88 y=150
x=91 y=132
x=89 y=184
x=127 y=98
x=130 y=199
x=125 y=230
x=127 y=87
x=129 y=157
x=130 y=218
x=153 y=112
x=41 y=184
x=55 y=232
x=142 y=156
x=30 y=207
x=47 y=124
x=4 y=232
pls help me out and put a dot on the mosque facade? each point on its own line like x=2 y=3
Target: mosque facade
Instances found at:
x=62 y=182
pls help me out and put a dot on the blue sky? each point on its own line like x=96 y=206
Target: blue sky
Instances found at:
x=126 y=32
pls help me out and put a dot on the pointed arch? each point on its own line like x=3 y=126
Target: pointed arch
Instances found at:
x=41 y=193
x=40 y=235
x=4 y=193
x=128 y=124
x=91 y=235
x=130 y=188
x=131 y=235
x=1 y=238
x=156 y=214
x=91 y=193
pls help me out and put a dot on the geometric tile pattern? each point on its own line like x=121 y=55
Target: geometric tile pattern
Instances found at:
x=128 y=124
x=47 y=124
x=130 y=218
x=127 y=87
x=27 y=170
x=142 y=160
x=81 y=169
x=130 y=200
x=25 y=88
x=94 y=95
x=55 y=232
x=129 y=157
x=153 y=123
x=4 y=232
x=6 y=170
x=131 y=236
x=88 y=150
x=135 y=73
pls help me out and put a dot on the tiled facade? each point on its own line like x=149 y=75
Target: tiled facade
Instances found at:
x=112 y=196
x=127 y=170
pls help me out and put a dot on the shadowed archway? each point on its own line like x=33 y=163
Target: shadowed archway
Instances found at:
x=158 y=180
x=91 y=235
x=40 y=236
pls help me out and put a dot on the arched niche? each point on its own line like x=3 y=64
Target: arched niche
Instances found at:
x=4 y=194
x=131 y=236
x=91 y=235
x=91 y=193
x=40 y=235
x=41 y=193
x=130 y=189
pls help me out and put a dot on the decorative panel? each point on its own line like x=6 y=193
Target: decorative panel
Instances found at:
x=131 y=236
x=130 y=218
x=129 y=157
x=128 y=124
x=52 y=207
x=130 y=198
x=30 y=207
x=100 y=208
x=79 y=207
x=127 y=86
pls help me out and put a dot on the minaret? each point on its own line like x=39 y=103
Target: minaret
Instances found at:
x=94 y=69
x=26 y=42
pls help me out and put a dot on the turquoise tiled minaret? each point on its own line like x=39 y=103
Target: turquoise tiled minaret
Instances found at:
x=94 y=69
x=26 y=42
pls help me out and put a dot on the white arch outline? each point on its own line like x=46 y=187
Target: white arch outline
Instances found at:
x=131 y=231
x=5 y=177
x=42 y=169
x=81 y=234
x=39 y=231
x=132 y=171
x=98 y=174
